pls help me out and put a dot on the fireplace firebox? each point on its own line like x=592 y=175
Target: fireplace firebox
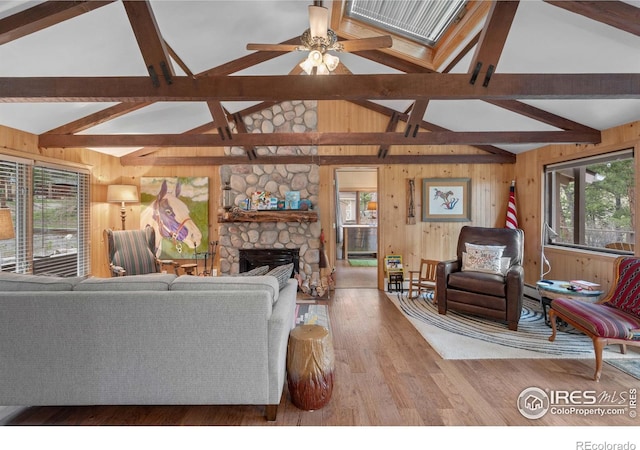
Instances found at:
x=272 y=257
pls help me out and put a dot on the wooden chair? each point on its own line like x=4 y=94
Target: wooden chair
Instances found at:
x=423 y=279
x=613 y=320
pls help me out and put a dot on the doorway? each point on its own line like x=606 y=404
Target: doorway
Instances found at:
x=356 y=227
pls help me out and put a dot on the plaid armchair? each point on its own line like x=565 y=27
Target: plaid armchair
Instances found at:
x=131 y=252
x=613 y=320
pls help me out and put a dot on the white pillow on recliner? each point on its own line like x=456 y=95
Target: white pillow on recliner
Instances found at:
x=484 y=258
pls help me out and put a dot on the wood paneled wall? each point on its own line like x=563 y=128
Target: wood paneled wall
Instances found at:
x=436 y=240
x=566 y=264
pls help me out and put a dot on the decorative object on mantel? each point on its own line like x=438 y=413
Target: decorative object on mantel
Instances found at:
x=285 y=215
x=227 y=196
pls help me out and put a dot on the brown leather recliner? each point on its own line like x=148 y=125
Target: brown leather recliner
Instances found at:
x=495 y=296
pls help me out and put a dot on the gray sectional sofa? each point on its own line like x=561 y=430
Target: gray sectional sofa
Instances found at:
x=144 y=340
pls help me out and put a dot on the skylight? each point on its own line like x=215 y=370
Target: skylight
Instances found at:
x=424 y=21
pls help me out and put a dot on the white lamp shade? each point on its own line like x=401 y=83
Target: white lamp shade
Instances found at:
x=122 y=193
x=307 y=66
x=331 y=61
x=6 y=224
x=322 y=70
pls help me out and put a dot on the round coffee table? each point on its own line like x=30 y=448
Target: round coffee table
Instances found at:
x=552 y=289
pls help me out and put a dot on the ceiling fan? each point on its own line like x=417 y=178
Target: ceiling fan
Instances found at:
x=319 y=39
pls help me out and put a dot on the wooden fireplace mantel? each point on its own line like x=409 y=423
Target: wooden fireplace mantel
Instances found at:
x=285 y=215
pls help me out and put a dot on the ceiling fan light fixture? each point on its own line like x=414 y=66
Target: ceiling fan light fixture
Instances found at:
x=318 y=21
x=315 y=56
x=307 y=66
x=331 y=61
x=322 y=69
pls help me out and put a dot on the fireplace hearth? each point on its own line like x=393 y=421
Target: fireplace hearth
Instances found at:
x=272 y=257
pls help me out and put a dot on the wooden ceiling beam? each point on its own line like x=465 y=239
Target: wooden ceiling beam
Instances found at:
x=98 y=117
x=242 y=129
x=332 y=160
x=619 y=15
x=492 y=40
x=335 y=87
x=152 y=46
x=319 y=139
x=416 y=117
x=425 y=125
x=391 y=127
x=43 y=16
x=540 y=115
x=220 y=121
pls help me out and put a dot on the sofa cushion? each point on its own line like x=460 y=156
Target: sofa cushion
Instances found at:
x=627 y=290
x=600 y=319
x=227 y=283
x=282 y=274
x=479 y=282
x=262 y=270
x=149 y=282
x=12 y=282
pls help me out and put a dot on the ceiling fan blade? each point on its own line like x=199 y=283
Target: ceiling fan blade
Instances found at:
x=273 y=47
x=318 y=21
x=373 y=43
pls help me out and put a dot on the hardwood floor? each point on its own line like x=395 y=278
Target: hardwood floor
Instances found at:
x=386 y=374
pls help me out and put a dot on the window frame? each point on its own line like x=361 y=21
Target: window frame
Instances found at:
x=17 y=175
x=550 y=198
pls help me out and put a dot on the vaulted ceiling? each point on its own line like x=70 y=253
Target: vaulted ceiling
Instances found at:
x=129 y=78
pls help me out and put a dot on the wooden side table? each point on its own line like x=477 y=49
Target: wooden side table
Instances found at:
x=552 y=289
x=189 y=269
x=310 y=366
x=396 y=281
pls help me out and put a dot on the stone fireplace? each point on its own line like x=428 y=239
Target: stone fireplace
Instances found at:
x=296 y=236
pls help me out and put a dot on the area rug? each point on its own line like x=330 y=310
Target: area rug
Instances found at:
x=309 y=314
x=628 y=366
x=461 y=336
x=363 y=262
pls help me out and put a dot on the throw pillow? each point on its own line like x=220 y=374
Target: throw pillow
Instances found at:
x=505 y=264
x=262 y=270
x=483 y=258
x=282 y=274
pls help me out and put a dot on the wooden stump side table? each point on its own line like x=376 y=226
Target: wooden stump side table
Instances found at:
x=310 y=366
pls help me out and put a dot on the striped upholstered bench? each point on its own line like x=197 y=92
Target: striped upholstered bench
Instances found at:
x=613 y=320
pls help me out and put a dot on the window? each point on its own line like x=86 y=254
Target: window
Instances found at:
x=421 y=21
x=358 y=207
x=589 y=203
x=50 y=210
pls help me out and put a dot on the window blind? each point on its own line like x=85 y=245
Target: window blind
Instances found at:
x=50 y=209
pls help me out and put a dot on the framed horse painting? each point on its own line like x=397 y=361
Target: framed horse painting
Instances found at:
x=177 y=208
x=446 y=199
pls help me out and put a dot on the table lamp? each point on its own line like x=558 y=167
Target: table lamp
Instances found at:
x=122 y=193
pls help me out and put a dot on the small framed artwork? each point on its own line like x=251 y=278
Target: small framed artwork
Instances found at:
x=446 y=199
